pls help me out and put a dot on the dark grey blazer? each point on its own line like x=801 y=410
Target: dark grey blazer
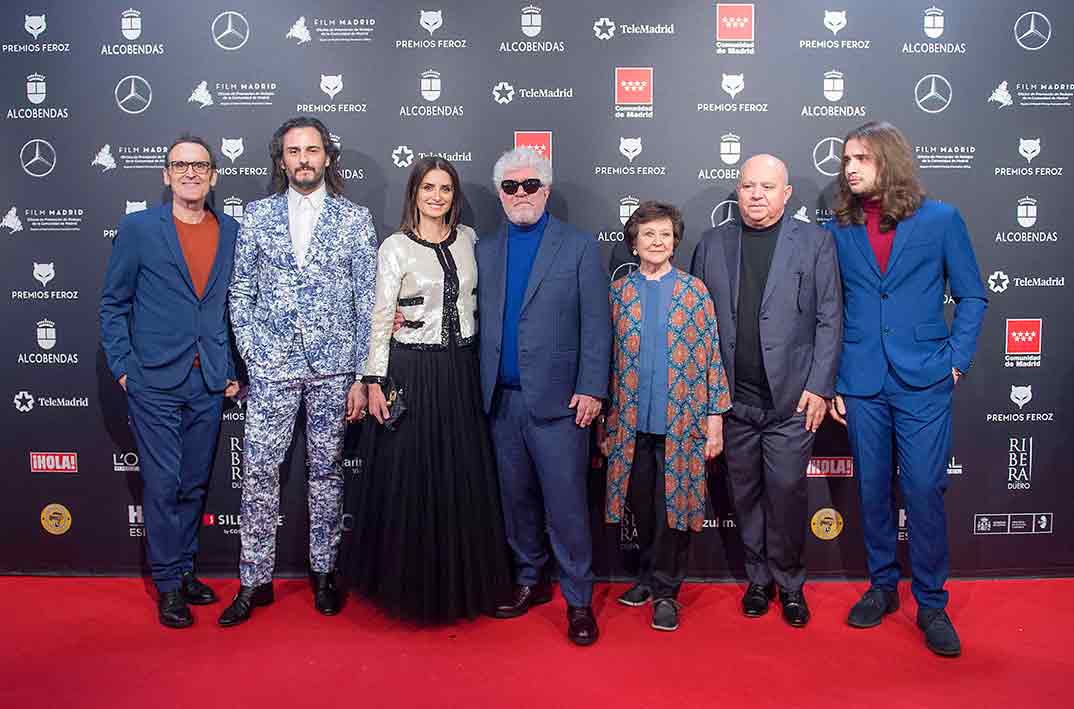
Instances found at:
x=564 y=328
x=801 y=309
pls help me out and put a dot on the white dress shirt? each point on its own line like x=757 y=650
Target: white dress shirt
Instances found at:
x=303 y=211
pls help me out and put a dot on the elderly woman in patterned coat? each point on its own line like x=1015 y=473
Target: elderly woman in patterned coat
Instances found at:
x=668 y=391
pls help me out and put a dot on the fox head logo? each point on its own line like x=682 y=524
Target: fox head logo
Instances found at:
x=1029 y=148
x=431 y=20
x=232 y=148
x=331 y=84
x=44 y=272
x=630 y=147
x=133 y=207
x=1021 y=395
x=733 y=84
x=35 y=25
x=835 y=20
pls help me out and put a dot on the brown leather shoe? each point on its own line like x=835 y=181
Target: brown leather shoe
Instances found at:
x=581 y=625
x=522 y=598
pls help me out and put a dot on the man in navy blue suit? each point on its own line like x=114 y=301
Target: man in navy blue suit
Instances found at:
x=164 y=331
x=545 y=351
x=900 y=364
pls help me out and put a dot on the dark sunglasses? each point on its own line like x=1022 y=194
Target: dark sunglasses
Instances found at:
x=511 y=186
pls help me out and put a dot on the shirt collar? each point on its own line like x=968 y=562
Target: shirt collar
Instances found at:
x=316 y=197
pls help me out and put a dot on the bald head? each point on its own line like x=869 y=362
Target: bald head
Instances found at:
x=763 y=190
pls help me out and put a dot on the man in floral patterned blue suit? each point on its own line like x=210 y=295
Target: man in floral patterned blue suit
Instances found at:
x=301 y=296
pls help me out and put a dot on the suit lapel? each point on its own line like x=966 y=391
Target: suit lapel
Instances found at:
x=326 y=225
x=499 y=272
x=551 y=240
x=732 y=247
x=171 y=237
x=281 y=223
x=222 y=242
x=903 y=232
x=860 y=237
x=781 y=259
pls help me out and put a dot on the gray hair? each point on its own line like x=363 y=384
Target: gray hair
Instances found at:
x=520 y=158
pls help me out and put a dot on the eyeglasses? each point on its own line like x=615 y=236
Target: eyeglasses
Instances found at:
x=179 y=167
x=511 y=186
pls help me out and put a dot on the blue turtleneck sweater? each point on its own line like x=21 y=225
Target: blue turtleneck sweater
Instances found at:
x=522 y=245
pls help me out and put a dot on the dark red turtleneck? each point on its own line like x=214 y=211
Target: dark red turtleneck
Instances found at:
x=881 y=241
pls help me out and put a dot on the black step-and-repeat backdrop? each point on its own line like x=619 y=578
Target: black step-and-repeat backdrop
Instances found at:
x=631 y=100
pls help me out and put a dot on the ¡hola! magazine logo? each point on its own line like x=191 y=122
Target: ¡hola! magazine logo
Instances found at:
x=1023 y=342
x=54 y=462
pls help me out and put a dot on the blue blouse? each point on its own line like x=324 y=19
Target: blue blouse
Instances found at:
x=653 y=356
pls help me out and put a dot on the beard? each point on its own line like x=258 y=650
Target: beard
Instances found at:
x=306 y=183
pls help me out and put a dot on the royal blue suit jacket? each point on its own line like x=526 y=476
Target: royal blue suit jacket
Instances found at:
x=564 y=326
x=896 y=318
x=152 y=321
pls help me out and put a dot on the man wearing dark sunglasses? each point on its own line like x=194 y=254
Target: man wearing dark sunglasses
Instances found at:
x=545 y=351
x=164 y=332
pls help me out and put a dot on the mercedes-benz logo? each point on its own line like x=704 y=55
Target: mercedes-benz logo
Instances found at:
x=624 y=269
x=37 y=157
x=726 y=212
x=1032 y=30
x=230 y=30
x=932 y=93
x=828 y=156
x=133 y=94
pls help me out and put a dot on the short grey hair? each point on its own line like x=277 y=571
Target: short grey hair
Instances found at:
x=520 y=158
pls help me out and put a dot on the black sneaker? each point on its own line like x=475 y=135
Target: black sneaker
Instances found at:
x=665 y=614
x=637 y=595
x=940 y=635
x=873 y=606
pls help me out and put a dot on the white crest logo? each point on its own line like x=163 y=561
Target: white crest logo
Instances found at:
x=331 y=84
x=37 y=157
x=627 y=205
x=201 y=95
x=130 y=23
x=230 y=30
x=932 y=93
x=630 y=148
x=430 y=85
x=1032 y=30
x=35 y=88
x=133 y=207
x=402 y=156
x=827 y=156
x=503 y=93
x=46 y=334
x=1027 y=211
x=733 y=84
x=730 y=148
x=431 y=20
x=801 y=215
x=11 y=221
x=833 y=85
x=998 y=282
x=604 y=28
x=336 y=141
x=104 y=159
x=232 y=148
x=1021 y=395
x=1001 y=95
x=933 y=23
x=531 y=21
x=44 y=272
x=1029 y=148
x=726 y=212
x=835 y=20
x=299 y=32
x=133 y=94
x=233 y=208
x=35 y=25
x=24 y=400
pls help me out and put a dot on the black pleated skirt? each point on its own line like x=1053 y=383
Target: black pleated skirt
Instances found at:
x=428 y=542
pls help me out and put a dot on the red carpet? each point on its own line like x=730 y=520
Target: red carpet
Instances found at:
x=86 y=643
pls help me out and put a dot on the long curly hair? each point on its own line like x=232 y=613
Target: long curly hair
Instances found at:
x=333 y=173
x=897 y=187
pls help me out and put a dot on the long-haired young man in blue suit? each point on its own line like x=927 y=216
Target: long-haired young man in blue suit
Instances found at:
x=164 y=333
x=900 y=364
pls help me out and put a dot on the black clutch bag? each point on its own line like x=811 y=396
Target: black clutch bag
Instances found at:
x=397 y=407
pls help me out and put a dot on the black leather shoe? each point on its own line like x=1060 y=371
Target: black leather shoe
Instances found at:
x=325 y=595
x=940 y=635
x=194 y=591
x=665 y=614
x=873 y=606
x=581 y=625
x=756 y=599
x=248 y=598
x=636 y=595
x=522 y=598
x=795 y=609
x=173 y=611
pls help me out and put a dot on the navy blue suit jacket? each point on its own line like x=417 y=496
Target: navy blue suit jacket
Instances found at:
x=896 y=318
x=564 y=327
x=152 y=321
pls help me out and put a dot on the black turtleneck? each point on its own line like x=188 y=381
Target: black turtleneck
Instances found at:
x=755 y=259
